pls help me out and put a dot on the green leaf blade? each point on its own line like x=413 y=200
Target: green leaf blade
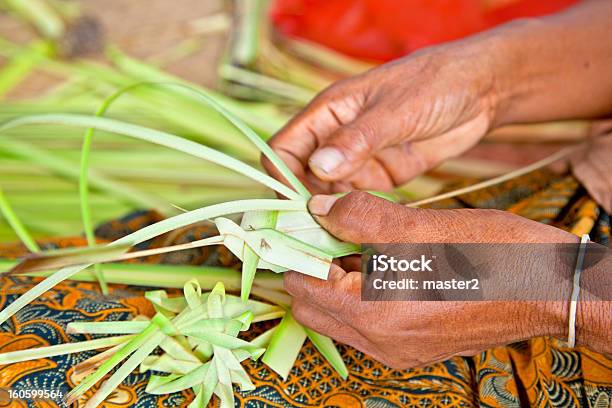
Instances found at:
x=284 y=346
x=157 y=137
x=152 y=231
x=328 y=349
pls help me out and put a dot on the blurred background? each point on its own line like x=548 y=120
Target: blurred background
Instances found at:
x=263 y=60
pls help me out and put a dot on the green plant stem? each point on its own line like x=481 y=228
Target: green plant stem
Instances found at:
x=15 y=223
x=168 y=140
x=246 y=35
x=84 y=190
x=19 y=68
x=40 y=14
x=270 y=122
x=132 y=345
x=62 y=349
x=328 y=349
x=168 y=276
x=267 y=84
x=66 y=169
x=239 y=124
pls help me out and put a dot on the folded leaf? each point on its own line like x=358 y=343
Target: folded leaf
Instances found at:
x=279 y=249
x=301 y=226
x=167 y=364
x=152 y=231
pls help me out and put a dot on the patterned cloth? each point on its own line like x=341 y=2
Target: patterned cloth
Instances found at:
x=539 y=372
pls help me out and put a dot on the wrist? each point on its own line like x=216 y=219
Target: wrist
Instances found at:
x=594 y=307
x=546 y=318
x=517 y=71
x=593 y=325
x=496 y=62
x=548 y=314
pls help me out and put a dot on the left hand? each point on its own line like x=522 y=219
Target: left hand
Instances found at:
x=406 y=334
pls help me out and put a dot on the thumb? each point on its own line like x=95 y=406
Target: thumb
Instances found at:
x=348 y=148
x=360 y=217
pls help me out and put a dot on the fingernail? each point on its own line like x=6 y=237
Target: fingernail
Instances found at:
x=321 y=204
x=326 y=160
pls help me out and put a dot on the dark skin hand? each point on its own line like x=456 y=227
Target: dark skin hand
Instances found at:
x=415 y=333
x=384 y=127
x=369 y=133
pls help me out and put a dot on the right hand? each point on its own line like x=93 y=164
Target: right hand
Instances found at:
x=380 y=129
x=417 y=333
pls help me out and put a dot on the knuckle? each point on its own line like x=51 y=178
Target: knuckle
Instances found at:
x=354 y=200
x=275 y=142
x=331 y=93
x=364 y=131
x=327 y=327
x=355 y=139
x=355 y=205
x=336 y=88
x=369 y=218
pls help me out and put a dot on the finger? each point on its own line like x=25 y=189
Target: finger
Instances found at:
x=427 y=154
x=322 y=322
x=339 y=294
x=290 y=160
x=340 y=187
x=372 y=176
x=350 y=146
x=469 y=353
x=403 y=162
x=315 y=318
x=360 y=217
x=407 y=160
x=307 y=130
x=307 y=287
x=351 y=263
x=318 y=186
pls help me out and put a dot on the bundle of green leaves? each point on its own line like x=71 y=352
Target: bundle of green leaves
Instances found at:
x=274 y=234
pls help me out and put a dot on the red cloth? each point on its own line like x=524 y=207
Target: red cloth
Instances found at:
x=386 y=29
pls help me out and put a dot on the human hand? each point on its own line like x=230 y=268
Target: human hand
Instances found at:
x=406 y=334
x=382 y=128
